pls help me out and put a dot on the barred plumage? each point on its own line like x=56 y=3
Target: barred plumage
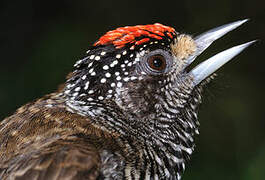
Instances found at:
x=127 y=111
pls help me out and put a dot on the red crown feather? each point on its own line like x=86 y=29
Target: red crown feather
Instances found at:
x=124 y=35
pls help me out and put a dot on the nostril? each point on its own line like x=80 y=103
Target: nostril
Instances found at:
x=183 y=47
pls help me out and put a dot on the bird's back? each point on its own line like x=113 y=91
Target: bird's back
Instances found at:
x=44 y=140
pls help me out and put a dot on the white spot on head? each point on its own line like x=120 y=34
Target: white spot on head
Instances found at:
x=126 y=73
x=72 y=85
x=126 y=79
x=90 y=64
x=118 y=56
x=75 y=94
x=102 y=53
x=93 y=73
x=118 y=78
x=77 y=63
x=100 y=98
x=90 y=91
x=133 y=78
x=112 y=84
x=97 y=58
x=90 y=99
x=124 y=52
x=129 y=64
x=119 y=84
x=109 y=95
x=77 y=89
x=106 y=67
x=103 y=80
x=86 y=85
x=92 y=57
x=115 y=62
x=84 y=77
x=91 y=70
x=110 y=91
x=131 y=55
x=117 y=73
x=123 y=65
x=108 y=75
x=87 y=51
x=67 y=91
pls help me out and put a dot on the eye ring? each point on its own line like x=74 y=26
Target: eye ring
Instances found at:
x=157 y=62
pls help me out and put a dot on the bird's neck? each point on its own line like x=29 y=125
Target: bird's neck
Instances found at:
x=169 y=146
x=161 y=146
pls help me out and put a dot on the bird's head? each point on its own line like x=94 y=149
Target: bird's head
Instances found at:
x=140 y=72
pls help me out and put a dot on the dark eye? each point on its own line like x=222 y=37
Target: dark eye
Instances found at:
x=157 y=62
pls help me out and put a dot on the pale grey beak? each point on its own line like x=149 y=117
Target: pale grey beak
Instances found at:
x=206 y=68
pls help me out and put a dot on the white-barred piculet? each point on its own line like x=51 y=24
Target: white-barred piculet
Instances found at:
x=127 y=111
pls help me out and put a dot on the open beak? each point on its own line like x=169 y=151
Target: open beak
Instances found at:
x=209 y=66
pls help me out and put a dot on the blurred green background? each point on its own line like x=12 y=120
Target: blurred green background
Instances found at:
x=41 y=40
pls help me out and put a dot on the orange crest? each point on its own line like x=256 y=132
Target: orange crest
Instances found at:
x=130 y=34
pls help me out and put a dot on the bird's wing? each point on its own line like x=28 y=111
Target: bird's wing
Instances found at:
x=61 y=160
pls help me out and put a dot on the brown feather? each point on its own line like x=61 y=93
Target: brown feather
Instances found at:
x=43 y=140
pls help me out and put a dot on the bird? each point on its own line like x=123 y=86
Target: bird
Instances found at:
x=128 y=110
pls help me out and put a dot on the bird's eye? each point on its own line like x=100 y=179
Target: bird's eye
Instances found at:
x=157 y=62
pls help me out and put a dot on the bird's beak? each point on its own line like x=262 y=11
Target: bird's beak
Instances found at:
x=206 y=68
